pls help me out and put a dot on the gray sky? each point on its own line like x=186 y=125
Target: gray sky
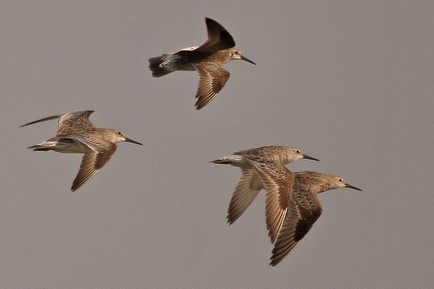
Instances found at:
x=349 y=82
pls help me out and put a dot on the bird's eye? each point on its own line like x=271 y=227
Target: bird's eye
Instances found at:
x=341 y=180
x=298 y=151
x=119 y=133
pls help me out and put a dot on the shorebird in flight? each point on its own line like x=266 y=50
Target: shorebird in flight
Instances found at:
x=76 y=134
x=207 y=59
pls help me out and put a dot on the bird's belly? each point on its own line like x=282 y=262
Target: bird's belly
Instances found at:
x=187 y=67
x=181 y=60
x=240 y=162
x=69 y=147
x=177 y=64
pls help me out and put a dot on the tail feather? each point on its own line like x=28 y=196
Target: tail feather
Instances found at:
x=154 y=66
x=233 y=160
x=45 y=146
x=43 y=149
x=40 y=148
x=222 y=161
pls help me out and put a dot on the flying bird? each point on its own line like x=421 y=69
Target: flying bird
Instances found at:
x=266 y=161
x=303 y=209
x=76 y=134
x=207 y=59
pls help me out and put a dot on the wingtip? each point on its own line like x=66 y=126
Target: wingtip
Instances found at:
x=200 y=103
x=273 y=263
x=27 y=124
x=209 y=20
x=74 y=187
x=220 y=162
x=230 y=218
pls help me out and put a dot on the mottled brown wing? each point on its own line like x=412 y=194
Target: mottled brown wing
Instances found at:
x=299 y=220
x=75 y=123
x=212 y=80
x=218 y=37
x=246 y=191
x=97 y=154
x=278 y=182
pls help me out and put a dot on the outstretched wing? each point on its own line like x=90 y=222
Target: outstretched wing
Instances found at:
x=75 y=123
x=246 y=191
x=97 y=153
x=212 y=80
x=218 y=37
x=303 y=211
x=278 y=182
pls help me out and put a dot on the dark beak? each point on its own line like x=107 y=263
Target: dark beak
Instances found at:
x=246 y=59
x=132 y=141
x=352 y=187
x=310 y=158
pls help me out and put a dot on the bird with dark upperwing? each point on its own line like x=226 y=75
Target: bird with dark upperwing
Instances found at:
x=251 y=183
x=76 y=134
x=303 y=209
x=207 y=59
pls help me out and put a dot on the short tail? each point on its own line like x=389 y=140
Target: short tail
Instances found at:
x=228 y=160
x=46 y=146
x=37 y=148
x=154 y=66
x=221 y=162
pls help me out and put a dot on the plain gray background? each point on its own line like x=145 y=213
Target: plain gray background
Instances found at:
x=349 y=82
